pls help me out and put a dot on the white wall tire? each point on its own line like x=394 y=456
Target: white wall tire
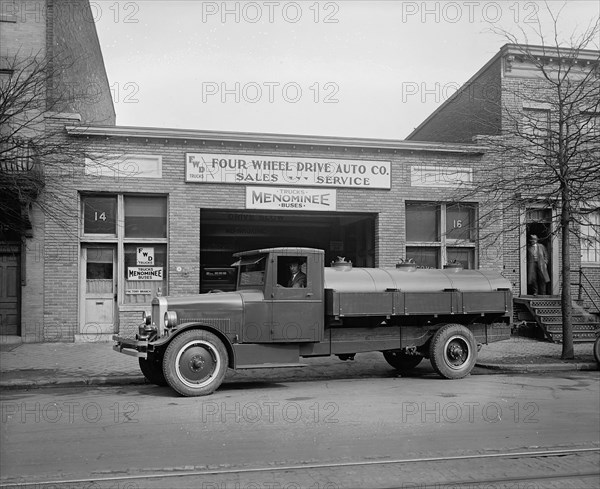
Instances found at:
x=195 y=363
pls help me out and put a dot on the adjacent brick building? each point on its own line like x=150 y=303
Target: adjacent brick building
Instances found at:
x=51 y=48
x=510 y=98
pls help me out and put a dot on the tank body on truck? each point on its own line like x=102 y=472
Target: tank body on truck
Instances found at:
x=287 y=305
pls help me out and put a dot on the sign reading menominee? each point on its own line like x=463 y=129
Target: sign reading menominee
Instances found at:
x=291 y=198
x=144 y=273
x=276 y=170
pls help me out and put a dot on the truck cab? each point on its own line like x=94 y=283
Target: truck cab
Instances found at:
x=282 y=313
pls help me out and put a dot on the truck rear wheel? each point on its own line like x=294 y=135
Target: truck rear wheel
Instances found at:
x=195 y=363
x=152 y=369
x=401 y=361
x=453 y=351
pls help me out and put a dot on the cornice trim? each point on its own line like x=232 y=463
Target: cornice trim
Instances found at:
x=267 y=138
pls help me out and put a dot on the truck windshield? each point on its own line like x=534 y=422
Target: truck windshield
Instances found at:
x=252 y=271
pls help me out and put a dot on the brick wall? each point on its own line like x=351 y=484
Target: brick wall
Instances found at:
x=82 y=86
x=474 y=110
x=22 y=28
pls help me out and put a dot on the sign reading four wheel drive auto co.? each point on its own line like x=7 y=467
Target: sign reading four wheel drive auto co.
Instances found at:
x=276 y=170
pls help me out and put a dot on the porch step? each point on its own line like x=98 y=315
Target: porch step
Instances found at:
x=546 y=312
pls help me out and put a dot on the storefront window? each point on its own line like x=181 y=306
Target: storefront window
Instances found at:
x=422 y=222
x=145 y=217
x=145 y=271
x=464 y=256
x=99 y=215
x=460 y=222
x=133 y=229
x=424 y=257
x=429 y=248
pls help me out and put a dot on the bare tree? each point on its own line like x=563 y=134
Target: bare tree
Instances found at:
x=38 y=162
x=29 y=147
x=548 y=148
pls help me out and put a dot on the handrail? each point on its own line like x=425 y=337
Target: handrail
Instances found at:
x=582 y=289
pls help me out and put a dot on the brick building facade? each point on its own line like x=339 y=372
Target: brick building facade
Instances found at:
x=154 y=210
x=363 y=200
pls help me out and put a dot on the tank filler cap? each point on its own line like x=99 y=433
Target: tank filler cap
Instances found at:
x=406 y=265
x=341 y=264
x=453 y=266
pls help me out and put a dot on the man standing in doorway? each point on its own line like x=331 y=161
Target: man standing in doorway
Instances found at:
x=537 y=267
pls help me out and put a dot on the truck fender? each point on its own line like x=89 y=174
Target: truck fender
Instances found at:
x=165 y=340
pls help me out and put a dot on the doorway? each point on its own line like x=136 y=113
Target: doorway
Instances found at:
x=538 y=222
x=10 y=294
x=223 y=233
x=100 y=291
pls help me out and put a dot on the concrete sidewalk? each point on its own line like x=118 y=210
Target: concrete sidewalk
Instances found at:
x=71 y=364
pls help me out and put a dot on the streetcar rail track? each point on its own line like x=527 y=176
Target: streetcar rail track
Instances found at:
x=300 y=467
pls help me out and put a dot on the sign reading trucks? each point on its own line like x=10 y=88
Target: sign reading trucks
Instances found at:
x=280 y=170
x=144 y=273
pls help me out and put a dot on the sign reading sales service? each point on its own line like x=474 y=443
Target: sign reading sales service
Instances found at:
x=277 y=170
x=291 y=198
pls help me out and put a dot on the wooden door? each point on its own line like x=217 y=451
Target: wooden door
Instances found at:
x=10 y=294
x=100 y=290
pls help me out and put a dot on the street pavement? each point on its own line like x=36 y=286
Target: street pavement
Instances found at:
x=26 y=365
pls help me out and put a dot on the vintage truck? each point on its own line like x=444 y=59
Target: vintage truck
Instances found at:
x=188 y=342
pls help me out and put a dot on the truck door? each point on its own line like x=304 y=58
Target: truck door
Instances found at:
x=297 y=312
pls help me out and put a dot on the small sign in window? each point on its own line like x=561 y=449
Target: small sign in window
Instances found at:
x=145 y=256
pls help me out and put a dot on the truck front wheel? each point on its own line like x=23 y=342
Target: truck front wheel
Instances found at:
x=453 y=351
x=152 y=369
x=402 y=361
x=195 y=363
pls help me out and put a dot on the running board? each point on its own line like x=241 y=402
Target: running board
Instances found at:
x=271 y=365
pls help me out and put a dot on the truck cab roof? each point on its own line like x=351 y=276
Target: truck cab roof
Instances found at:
x=283 y=250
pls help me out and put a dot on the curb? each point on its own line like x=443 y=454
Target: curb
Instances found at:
x=74 y=382
x=539 y=367
x=140 y=379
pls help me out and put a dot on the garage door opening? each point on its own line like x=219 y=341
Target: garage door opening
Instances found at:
x=223 y=233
